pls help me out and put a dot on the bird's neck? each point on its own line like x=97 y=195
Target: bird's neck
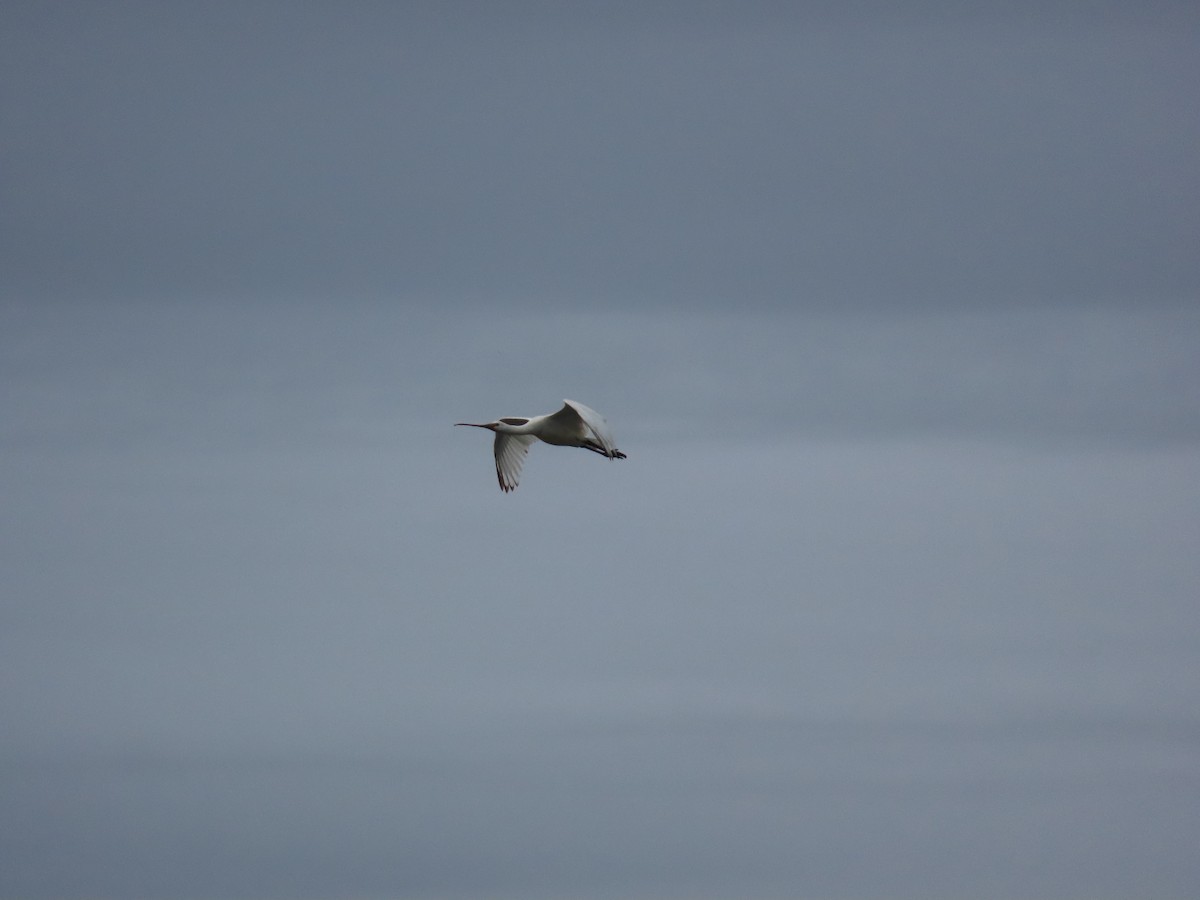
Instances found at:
x=515 y=425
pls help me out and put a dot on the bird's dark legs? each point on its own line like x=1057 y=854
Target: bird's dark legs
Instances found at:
x=616 y=454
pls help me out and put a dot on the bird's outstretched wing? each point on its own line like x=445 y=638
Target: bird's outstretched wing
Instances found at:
x=592 y=425
x=510 y=456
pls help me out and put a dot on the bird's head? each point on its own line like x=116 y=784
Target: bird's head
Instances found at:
x=505 y=425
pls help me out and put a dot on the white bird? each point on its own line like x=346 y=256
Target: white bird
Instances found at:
x=575 y=425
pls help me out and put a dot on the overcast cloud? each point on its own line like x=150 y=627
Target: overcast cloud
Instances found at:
x=895 y=313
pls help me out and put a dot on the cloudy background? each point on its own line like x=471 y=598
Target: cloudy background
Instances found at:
x=894 y=308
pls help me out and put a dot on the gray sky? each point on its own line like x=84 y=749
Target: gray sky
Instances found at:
x=894 y=312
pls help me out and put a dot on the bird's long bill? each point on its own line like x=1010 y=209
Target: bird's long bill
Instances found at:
x=473 y=425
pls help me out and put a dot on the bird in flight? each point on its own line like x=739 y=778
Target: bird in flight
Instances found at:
x=575 y=425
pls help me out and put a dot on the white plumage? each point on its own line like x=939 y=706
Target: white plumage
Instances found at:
x=575 y=425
